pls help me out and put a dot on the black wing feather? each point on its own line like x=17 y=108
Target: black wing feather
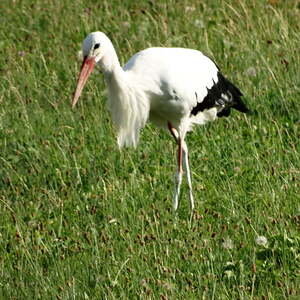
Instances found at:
x=223 y=95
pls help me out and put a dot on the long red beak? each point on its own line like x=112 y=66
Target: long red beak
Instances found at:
x=86 y=69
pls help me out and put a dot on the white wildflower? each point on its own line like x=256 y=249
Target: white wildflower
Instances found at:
x=189 y=9
x=227 y=244
x=261 y=240
x=199 y=23
x=79 y=55
x=251 y=71
x=126 y=24
x=229 y=273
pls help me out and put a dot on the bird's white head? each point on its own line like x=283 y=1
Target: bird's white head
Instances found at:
x=95 y=45
x=94 y=48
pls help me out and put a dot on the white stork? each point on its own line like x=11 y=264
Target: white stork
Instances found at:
x=174 y=88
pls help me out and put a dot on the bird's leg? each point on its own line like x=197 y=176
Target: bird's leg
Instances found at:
x=178 y=176
x=173 y=131
x=182 y=153
x=188 y=174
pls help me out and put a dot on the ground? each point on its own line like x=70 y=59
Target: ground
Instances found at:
x=81 y=219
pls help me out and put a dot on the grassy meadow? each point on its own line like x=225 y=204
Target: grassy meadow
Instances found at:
x=80 y=219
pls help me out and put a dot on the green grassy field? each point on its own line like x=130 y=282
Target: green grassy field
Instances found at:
x=80 y=219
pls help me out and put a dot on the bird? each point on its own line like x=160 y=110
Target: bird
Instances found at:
x=174 y=88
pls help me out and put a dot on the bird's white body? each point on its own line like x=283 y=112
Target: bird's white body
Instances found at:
x=159 y=84
x=170 y=78
x=172 y=87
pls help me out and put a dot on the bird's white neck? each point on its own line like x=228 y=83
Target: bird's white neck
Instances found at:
x=109 y=63
x=127 y=103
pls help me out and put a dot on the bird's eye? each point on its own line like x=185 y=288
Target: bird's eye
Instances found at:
x=96 y=46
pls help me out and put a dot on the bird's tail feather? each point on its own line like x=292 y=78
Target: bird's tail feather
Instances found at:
x=233 y=99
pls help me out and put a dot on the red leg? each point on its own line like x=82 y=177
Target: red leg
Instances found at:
x=173 y=131
x=178 y=140
x=178 y=177
x=182 y=154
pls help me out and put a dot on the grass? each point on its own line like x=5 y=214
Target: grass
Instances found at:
x=81 y=220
